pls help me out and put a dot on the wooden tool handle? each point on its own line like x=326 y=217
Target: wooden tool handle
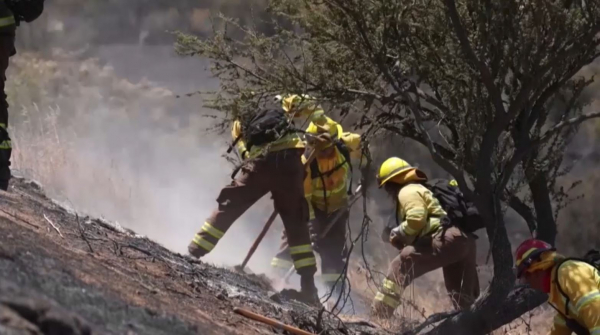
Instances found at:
x=270 y=322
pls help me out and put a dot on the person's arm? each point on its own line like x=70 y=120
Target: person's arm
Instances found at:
x=414 y=207
x=580 y=282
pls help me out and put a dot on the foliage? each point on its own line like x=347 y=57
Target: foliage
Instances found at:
x=489 y=87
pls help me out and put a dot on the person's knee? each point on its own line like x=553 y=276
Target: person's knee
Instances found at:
x=404 y=264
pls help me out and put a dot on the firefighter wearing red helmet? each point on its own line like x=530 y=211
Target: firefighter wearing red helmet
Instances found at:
x=572 y=285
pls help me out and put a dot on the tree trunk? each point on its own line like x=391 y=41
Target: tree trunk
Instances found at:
x=478 y=321
x=540 y=193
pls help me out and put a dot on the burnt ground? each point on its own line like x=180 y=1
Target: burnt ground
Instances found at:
x=97 y=278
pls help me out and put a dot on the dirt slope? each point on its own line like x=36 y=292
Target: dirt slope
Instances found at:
x=96 y=278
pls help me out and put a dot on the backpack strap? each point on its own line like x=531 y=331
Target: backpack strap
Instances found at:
x=343 y=149
x=562 y=292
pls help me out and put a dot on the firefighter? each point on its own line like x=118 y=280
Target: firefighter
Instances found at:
x=424 y=243
x=326 y=188
x=573 y=286
x=7 y=49
x=274 y=167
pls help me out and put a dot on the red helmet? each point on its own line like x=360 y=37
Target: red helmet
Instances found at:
x=528 y=252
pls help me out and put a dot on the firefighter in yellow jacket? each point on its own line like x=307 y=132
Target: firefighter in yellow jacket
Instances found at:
x=7 y=49
x=326 y=189
x=573 y=286
x=274 y=167
x=425 y=245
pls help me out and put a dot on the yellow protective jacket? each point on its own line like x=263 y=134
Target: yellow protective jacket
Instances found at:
x=418 y=210
x=581 y=283
x=328 y=191
x=288 y=141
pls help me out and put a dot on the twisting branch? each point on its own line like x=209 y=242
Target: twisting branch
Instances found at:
x=483 y=70
x=526 y=149
x=524 y=211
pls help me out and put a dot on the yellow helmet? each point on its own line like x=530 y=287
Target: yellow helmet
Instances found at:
x=390 y=168
x=302 y=105
x=295 y=101
x=333 y=128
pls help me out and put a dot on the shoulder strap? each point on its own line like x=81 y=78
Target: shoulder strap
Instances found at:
x=562 y=292
x=343 y=149
x=314 y=169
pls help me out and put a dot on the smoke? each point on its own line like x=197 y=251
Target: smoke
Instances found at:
x=95 y=119
x=107 y=141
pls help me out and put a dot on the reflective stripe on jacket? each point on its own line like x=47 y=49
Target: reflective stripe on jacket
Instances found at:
x=419 y=210
x=7 y=19
x=581 y=283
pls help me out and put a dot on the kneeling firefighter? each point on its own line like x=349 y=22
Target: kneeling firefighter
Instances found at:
x=426 y=240
x=327 y=187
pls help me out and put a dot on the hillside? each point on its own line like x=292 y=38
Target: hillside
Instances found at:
x=65 y=274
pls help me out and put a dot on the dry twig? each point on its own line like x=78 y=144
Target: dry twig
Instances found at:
x=82 y=233
x=53 y=226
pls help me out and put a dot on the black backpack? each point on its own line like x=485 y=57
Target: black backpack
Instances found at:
x=592 y=258
x=461 y=213
x=264 y=127
x=26 y=10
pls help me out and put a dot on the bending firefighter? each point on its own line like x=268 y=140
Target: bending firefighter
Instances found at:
x=572 y=285
x=425 y=243
x=273 y=164
x=326 y=187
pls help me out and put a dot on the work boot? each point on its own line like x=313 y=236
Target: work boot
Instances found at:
x=195 y=250
x=309 y=291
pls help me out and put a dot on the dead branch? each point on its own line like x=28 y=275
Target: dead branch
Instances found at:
x=524 y=150
x=130 y=246
x=434 y=318
x=82 y=233
x=53 y=226
x=483 y=70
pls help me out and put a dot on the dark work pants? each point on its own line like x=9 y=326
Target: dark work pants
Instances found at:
x=281 y=173
x=449 y=249
x=331 y=248
x=7 y=49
